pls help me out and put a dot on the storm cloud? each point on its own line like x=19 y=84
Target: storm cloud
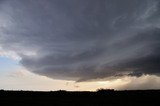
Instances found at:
x=83 y=39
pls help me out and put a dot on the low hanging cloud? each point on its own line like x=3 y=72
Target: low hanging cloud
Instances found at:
x=83 y=39
x=143 y=82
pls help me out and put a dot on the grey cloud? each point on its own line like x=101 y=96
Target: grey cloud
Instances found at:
x=143 y=82
x=83 y=39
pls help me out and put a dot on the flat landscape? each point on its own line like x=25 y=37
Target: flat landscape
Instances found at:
x=98 y=98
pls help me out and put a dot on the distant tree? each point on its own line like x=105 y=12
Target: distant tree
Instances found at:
x=61 y=91
x=104 y=90
x=1 y=90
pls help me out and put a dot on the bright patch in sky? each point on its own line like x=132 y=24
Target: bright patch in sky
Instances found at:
x=7 y=64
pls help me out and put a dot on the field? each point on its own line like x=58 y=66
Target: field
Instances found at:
x=99 y=98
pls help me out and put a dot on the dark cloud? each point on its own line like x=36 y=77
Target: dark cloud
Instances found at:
x=83 y=39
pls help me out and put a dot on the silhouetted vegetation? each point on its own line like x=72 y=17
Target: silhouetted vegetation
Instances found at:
x=102 y=97
x=101 y=90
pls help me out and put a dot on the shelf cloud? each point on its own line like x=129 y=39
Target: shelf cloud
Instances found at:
x=83 y=39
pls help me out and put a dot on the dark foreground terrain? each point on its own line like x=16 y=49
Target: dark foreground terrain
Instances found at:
x=99 y=98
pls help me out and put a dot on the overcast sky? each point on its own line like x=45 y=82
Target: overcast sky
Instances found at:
x=82 y=41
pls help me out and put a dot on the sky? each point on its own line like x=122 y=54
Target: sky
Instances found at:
x=79 y=44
